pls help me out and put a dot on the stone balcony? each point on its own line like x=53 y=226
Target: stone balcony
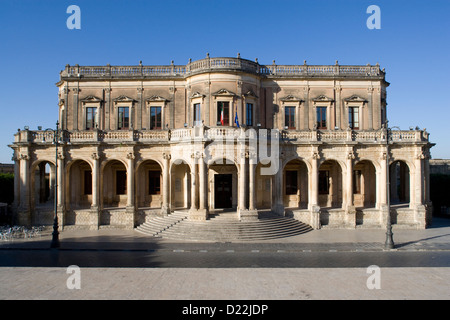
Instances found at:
x=204 y=133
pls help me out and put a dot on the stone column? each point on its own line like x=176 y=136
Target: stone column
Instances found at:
x=130 y=210
x=95 y=210
x=252 y=182
x=203 y=192
x=193 y=210
x=252 y=213
x=350 y=209
x=242 y=182
x=419 y=207
x=24 y=217
x=314 y=191
x=165 y=209
x=60 y=188
x=384 y=187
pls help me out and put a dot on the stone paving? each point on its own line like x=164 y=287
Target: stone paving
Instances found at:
x=233 y=283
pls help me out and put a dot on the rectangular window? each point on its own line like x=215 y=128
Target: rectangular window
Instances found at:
x=223 y=113
x=249 y=114
x=121 y=182
x=88 y=182
x=154 y=182
x=289 y=117
x=155 y=118
x=324 y=182
x=291 y=182
x=357 y=181
x=321 y=117
x=91 y=118
x=197 y=115
x=353 y=117
x=123 y=118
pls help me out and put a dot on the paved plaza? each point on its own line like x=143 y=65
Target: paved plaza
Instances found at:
x=329 y=264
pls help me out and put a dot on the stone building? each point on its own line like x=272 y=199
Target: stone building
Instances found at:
x=307 y=141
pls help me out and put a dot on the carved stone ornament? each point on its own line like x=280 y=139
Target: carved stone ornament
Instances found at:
x=291 y=98
x=123 y=98
x=91 y=99
x=224 y=92
x=156 y=98
x=355 y=98
x=250 y=94
x=95 y=156
x=166 y=156
x=322 y=98
x=197 y=95
x=130 y=155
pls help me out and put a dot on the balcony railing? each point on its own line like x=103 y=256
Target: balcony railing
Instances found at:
x=222 y=133
x=218 y=65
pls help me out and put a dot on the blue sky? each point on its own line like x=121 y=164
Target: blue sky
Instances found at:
x=413 y=45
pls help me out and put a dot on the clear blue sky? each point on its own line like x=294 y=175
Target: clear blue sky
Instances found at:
x=413 y=45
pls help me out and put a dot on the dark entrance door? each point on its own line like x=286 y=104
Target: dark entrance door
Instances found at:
x=222 y=190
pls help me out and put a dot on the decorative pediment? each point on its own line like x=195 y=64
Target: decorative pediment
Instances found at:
x=250 y=94
x=123 y=99
x=224 y=92
x=197 y=94
x=291 y=98
x=156 y=98
x=355 y=98
x=91 y=99
x=322 y=98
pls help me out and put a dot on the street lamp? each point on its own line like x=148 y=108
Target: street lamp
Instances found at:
x=389 y=244
x=55 y=234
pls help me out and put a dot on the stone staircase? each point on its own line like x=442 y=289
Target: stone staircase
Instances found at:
x=222 y=227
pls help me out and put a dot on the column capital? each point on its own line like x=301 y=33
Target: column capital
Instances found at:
x=95 y=156
x=167 y=156
x=130 y=156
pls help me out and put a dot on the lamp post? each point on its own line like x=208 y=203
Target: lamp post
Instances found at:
x=55 y=235
x=389 y=243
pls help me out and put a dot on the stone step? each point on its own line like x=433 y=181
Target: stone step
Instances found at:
x=221 y=227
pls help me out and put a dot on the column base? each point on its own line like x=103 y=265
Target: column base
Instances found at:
x=315 y=217
x=94 y=218
x=198 y=214
x=165 y=211
x=248 y=215
x=130 y=217
x=350 y=217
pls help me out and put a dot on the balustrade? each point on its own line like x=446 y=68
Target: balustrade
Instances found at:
x=223 y=133
x=218 y=64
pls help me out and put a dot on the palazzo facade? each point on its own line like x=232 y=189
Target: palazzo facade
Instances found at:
x=306 y=141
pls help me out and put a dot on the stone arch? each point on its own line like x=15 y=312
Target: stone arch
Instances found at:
x=180 y=191
x=364 y=184
x=223 y=183
x=113 y=183
x=399 y=182
x=42 y=183
x=79 y=186
x=149 y=184
x=295 y=183
x=330 y=184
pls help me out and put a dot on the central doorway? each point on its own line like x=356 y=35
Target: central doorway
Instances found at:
x=223 y=191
